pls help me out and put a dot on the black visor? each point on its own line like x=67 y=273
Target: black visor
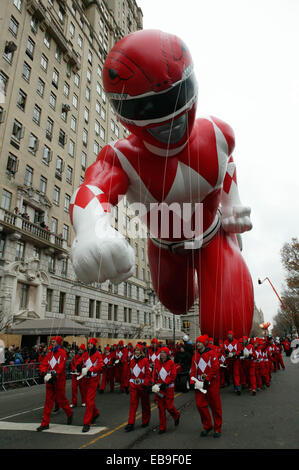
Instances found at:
x=159 y=105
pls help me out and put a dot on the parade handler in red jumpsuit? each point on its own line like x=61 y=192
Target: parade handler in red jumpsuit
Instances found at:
x=164 y=375
x=139 y=382
x=75 y=382
x=53 y=370
x=90 y=365
x=232 y=350
x=247 y=365
x=204 y=376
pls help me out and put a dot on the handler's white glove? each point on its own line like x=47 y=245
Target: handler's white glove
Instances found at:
x=156 y=388
x=84 y=371
x=47 y=377
x=246 y=353
x=117 y=361
x=230 y=355
x=100 y=252
x=198 y=385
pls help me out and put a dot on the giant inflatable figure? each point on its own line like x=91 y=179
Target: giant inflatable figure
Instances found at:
x=173 y=160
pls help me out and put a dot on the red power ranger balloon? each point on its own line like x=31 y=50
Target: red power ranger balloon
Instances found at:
x=170 y=162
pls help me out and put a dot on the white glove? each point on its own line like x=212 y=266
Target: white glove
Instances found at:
x=117 y=361
x=47 y=377
x=246 y=353
x=156 y=388
x=238 y=221
x=230 y=355
x=198 y=385
x=84 y=371
x=100 y=252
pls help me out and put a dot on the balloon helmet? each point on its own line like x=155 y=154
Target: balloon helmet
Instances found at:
x=148 y=77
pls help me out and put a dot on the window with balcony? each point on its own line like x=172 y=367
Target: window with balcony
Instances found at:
x=6 y=199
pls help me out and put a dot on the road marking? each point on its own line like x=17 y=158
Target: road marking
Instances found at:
x=118 y=427
x=54 y=428
x=23 y=412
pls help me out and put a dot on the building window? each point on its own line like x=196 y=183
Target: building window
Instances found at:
x=43 y=185
x=85 y=137
x=125 y=314
x=87 y=93
x=2 y=245
x=75 y=100
x=55 y=78
x=89 y=56
x=51 y=264
x=98 y=309
x=49 y=300
x=110 y=307
x=67 y=200
x=98 y=107
x=71 y=148
x=58 y=54
x=20 y=250
x=17 y=130
x=49 y=128
x=24 y=290
x=72 y=30
x=47 y=40
x=54 y=225
x=73 y=123
x=30 y=47
x=96 y=147
x=115 y=311
x=69 y=174
x=88 y=75
x=61 y=14
x=40 y=87
x=12 y=164
x=3 y=84
x=103 y=114
x=77 y=305
x=62 y=138
x=33 y=25
x=77 y=80
x=91 y=308
x=64 y=267
x=86 y=115
x=44 y=62
x=66 y=89
x=61 y=302
x=53 y=99
x=83 y=160
x=56 y=195
x=65 y=232
x=13 y=26
x=6 y=199
x=18 y=4
x=102 y=133
x=47 y=155
x=36 y=114
x=80 y=41
x=28 y=176
x=26 y=72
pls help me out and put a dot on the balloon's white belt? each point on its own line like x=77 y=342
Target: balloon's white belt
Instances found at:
x=205 y=238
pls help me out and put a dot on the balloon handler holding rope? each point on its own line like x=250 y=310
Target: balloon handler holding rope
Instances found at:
x=170 y=160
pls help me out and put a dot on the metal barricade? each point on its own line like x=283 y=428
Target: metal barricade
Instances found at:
x=25 y=374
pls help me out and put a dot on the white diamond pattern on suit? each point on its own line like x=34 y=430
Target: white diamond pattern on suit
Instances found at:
x=53 y=362
x=163 y=373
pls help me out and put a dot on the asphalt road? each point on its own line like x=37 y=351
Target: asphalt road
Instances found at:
x=269 y=420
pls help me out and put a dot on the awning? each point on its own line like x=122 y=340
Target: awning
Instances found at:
x=49 y=326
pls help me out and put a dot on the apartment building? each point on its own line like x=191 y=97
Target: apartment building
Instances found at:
x=54 y=120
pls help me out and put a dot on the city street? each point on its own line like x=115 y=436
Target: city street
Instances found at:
x=269 y=420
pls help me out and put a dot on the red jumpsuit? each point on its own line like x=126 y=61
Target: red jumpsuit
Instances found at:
x=95 y=364
x=247 y=368
x=233 y=363
x=258 y=366
x=55 y=392
x=280 y=362
x=108 y=371
x=165 y=373
x=122 y=355
x=76 y=383
x=140 y=377
x=222 y=367
x=266 y=367
x=205 y=366
x=152 y=355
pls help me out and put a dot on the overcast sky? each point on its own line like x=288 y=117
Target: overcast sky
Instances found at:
x=246 y=57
